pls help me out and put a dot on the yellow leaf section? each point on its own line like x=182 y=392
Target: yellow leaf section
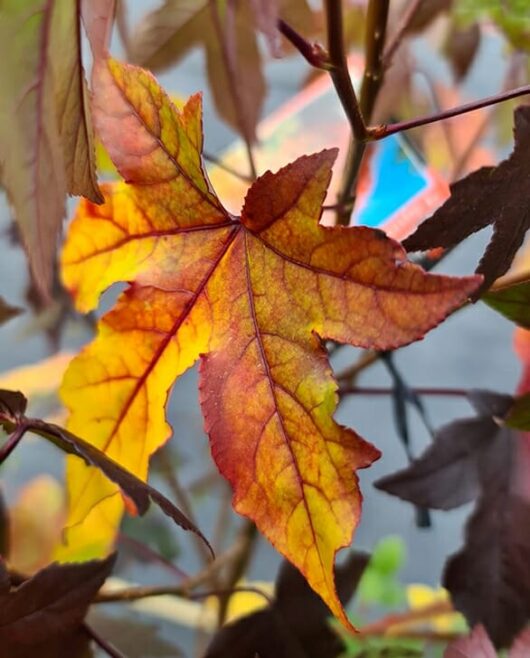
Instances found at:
x=117 y=387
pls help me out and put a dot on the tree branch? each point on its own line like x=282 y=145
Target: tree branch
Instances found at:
x=376 y=22
x=339 y=69
x=384 y=130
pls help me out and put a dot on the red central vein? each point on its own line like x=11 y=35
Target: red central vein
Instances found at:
x=270 y=381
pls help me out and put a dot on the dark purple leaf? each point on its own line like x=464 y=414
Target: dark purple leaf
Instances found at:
x=48 y=609
x=137 y=490
x=463 y=454
x=295 y=625
x=489 y=578
x=495 y=196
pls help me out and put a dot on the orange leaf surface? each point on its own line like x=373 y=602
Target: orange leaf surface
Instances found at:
x=252 y=296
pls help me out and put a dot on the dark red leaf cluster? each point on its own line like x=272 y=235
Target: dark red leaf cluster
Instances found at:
x=295 y=625
x=480 y=459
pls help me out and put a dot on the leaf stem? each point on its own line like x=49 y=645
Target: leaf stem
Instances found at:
x=400 y=32
x=367 y=390
x=13 y=441
x=204 y=576
x=384 y=130
x=107 y=647
x=248 y=536
x=375 y=35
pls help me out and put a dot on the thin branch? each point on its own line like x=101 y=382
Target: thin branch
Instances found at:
x=152 y=556
x=232 y=78
x=184 y=589
x=103 y=644
x=313 y=53
x=384 y=130
x=367 y=390
x=400 y=32
x=248 y=536
x=339 y=69
x=209 y=157
x=375 y=35
x=382 y=625
x=169 y=475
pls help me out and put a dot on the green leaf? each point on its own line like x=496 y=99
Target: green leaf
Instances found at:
x=519 y=416
x=512 y=302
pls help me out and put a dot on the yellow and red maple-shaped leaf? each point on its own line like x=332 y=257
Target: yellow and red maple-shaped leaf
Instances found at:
x=251 y=296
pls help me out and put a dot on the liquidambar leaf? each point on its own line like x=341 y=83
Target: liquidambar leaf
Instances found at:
x=491 y=195
x=252 y=296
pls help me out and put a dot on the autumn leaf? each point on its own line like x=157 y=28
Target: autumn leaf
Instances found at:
x=251 y=296
x=7 y=312
x=462 y=454
x=46 y=147
x=46 y=611
x=295 y=624
x=491 y=195
x=475 y=645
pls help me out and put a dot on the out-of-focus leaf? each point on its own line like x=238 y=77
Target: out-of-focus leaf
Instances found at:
x=513 y=302
x=383 y=647
x=521 y=341
x=420 y=596
x=489 y=578
x=40 y=379
x=46 y=145
x=98 y=16
x=45 y=613
x=491 y=195
x=132 y=635
x=426 y=13
x=463 y=453
x=245 y=296
x=7 y=312
x=519 y=416
x=511 y=16
x=476 y=645
x=295 y=625
x=36 y=521
x=461 y=47
x=168 y=33
x=379 y=584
